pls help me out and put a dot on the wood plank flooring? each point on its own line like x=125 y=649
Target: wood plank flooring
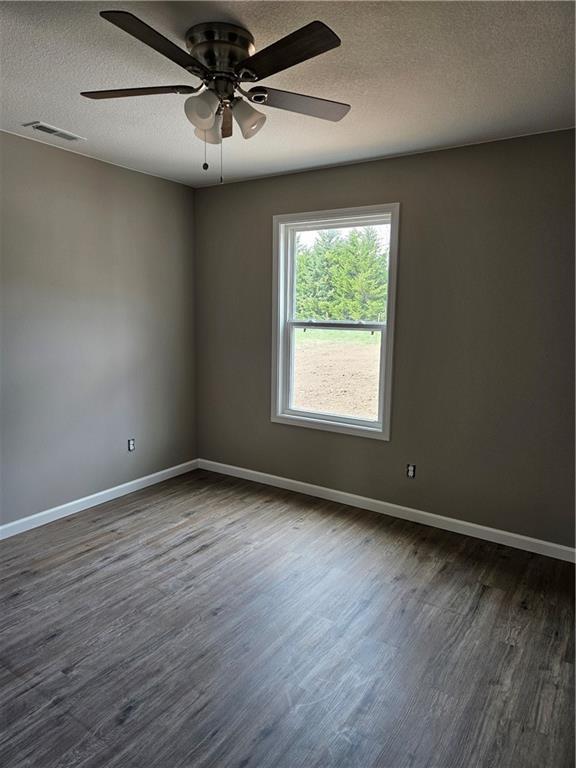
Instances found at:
x=209 y=622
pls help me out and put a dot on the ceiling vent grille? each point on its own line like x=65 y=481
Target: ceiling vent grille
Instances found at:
x=37 y=125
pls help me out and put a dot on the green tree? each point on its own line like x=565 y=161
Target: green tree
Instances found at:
x=342 y=277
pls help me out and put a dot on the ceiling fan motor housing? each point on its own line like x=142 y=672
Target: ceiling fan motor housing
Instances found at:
x=220 y=46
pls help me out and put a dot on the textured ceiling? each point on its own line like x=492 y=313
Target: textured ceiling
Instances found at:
x=418 y=75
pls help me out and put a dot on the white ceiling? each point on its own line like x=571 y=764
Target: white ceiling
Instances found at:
x=418 y=75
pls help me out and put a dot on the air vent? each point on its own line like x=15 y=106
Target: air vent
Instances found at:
x=37 y=125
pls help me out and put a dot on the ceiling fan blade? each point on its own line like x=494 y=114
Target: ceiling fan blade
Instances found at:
x=121 y=93
x=297 y=102
x=226 y=123
x=141 y=31
x=309 y=41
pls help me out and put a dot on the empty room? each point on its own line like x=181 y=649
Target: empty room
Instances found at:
x=287 y=384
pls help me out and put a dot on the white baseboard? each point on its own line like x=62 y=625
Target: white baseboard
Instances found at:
x=48 y=515
x=509 y=539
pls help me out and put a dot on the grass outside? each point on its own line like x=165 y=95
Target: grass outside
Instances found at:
x=322 y=335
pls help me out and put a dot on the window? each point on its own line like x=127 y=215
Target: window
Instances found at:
x=334 y=287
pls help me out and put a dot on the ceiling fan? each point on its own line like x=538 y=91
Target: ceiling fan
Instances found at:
x=223 y=56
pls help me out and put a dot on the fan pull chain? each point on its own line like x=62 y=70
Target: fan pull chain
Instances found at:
x=221 y=165
x=205 y=166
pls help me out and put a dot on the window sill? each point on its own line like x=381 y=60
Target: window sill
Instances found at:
x=376 y=433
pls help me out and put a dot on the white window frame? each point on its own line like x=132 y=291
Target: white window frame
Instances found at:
x=285 y=227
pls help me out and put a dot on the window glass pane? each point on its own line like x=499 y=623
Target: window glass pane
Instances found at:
x=341 y=273
x=336 y=372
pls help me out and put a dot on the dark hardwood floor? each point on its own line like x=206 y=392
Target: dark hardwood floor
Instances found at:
x=209 y=622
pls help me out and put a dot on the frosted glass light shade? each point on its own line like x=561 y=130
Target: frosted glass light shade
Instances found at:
x=248 y=118
x=201 y=110
x=212 y=135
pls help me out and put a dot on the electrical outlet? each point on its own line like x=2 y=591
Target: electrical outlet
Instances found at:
x=411 y=471
x=131 y=444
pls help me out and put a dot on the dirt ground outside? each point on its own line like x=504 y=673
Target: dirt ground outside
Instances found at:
x=337 y=372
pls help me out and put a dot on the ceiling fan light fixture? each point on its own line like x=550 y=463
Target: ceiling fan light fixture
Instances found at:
x=212 y=135
x=201 y=110
x=249 y=119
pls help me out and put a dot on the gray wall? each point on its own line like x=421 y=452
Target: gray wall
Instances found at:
x=97 y=326
x=483 y=372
